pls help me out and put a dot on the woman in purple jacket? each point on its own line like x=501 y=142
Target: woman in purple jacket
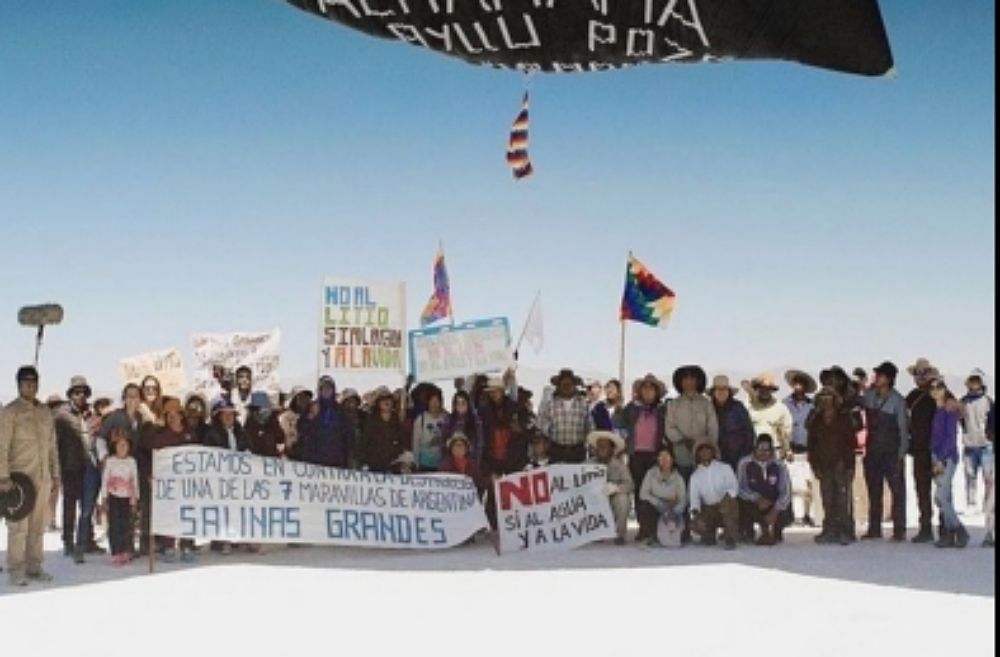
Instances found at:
x=944 y=452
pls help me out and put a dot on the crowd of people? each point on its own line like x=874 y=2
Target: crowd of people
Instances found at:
x=698 y=463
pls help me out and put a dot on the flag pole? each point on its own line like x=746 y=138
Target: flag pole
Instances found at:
x=531 y=311
x=621 y=357
x=621 y=349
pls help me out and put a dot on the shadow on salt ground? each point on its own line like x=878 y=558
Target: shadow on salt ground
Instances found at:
x=920 y=567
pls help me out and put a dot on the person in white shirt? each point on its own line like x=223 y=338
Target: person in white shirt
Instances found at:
x=120 y=495
x=713 y=498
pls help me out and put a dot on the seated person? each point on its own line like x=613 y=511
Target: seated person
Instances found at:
x=765 y=493
x=607 y=447
x=713 y=495
x=662 y=495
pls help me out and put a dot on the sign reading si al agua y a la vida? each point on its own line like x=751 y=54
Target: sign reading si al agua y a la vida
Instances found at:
x=554 y=508
x=211 y=494
x=362 y=327
x=446 y=352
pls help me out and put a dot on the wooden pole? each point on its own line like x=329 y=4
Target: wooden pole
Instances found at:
x=151 y=541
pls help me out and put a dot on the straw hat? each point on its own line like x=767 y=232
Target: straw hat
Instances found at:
x=791 y=376
x=78 y=383
x=922 y=365
x=722 y=382
x=615 y=439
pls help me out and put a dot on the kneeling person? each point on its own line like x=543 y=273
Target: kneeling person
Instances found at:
x=662 y=495
x=607 y=447
x=765 y=493
x=713 y=498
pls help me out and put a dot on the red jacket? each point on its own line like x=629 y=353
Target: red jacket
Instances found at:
x=470 y=469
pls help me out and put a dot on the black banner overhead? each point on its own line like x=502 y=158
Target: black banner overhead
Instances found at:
x=593 y=35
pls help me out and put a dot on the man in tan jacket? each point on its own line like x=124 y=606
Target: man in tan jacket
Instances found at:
x=28 y=445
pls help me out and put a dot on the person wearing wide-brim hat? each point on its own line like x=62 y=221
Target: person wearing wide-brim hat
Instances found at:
x=607 y=448
x=690 y=418
x=922 y=408
x=885 y=451
x=296 y=407
x=831 y=449
x=695 y=372
x=226 y=431
x=566 y=419
x=80 y=456
x=383 y=437
x=405 y=463
x=643 y=425
x=770 y=416
x=459 y=458
x=805 y=499
x=736 y=433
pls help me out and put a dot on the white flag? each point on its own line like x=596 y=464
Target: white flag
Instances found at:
x=533 y=329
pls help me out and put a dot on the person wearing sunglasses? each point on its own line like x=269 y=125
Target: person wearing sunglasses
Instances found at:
x=922 y=408
x=944 y=451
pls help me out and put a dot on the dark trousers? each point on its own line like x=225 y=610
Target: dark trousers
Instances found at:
x=72 y=493
x=145 y=508
x=648 y=516
x=638 y=465
x=923 y=478
x=88 y=504
x=881 y=469
x=120 y=525
x=752 y=515
x=725 y=514
x=567 y=453
x=835 y=488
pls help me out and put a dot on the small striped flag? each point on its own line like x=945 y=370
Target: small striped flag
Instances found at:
x=439 y=305
x=517 y=147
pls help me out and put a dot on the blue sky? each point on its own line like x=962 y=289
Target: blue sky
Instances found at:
x=172 y=167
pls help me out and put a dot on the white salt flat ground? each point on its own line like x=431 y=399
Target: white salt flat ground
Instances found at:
x=864 y=599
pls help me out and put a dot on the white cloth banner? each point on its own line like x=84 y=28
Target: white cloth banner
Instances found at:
x=210 y=494
x=446 y=352
x=166 y=365
x=554 y=508
x=220 y=354
x=362 y=328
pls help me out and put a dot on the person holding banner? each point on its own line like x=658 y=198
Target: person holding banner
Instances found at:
x=463 y=419
x=173 y=433
x=663 y=496
x=226 y=431
x=196 y=416
x=714 y=490
x=607 y=447
x=459 y=459
x=428 y=432
x=504 y=440
x=644 y=424
x=566 y=419
x=263 y=432
x=326 y=435
x=297 y=407
x=383 y=434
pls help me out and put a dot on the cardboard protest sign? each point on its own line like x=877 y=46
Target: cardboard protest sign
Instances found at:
x=447 y=352
x=218 y=355
x=554 y=508
x=166 y=365
x=362 y=327
x=210 y=494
